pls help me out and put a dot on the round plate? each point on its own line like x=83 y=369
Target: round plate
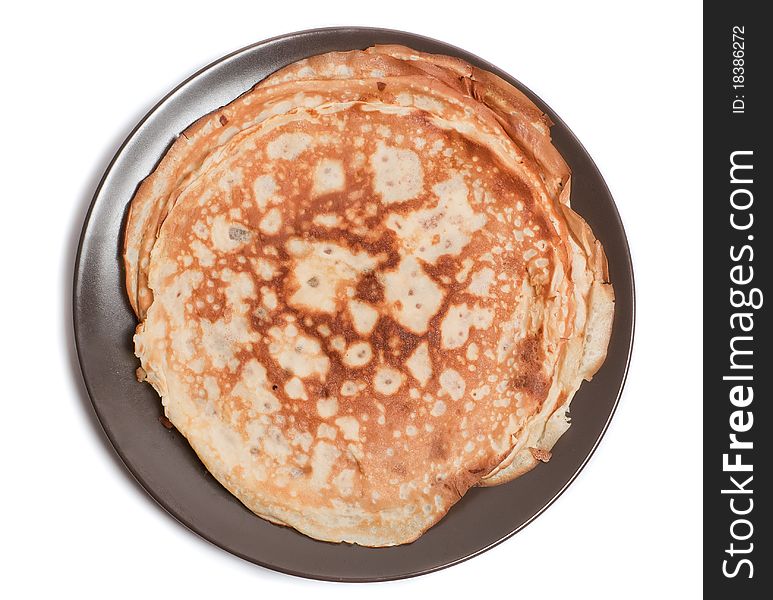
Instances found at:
x=162 y=460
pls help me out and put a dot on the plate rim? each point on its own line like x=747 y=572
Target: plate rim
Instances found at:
x=78 y=279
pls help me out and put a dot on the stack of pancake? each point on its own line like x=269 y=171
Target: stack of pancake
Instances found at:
x=362 y=291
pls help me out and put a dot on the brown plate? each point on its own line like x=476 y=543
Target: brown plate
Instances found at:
x=162 y=461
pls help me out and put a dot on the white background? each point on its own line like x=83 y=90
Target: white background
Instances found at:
x=75 y=80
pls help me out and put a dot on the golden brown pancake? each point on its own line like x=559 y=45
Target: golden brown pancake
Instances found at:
x=362 y=291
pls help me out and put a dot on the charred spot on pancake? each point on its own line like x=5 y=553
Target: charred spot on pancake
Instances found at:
x=531 y=382
x=529 y=350
x=438 y=448
x=530 y=375
x=370 y=289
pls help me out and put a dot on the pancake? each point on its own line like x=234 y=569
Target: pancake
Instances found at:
x=362 y=291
